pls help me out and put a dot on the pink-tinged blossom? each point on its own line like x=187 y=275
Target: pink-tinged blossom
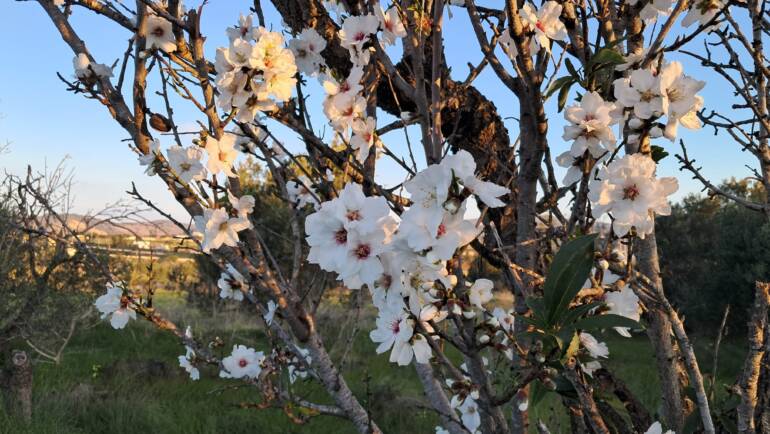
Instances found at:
x=544 y=23
x=391 y=25
x=624 y=303
x=307 y=48
x=242 y=362
x=628 y=189
x=590 y=126
x=159 y=34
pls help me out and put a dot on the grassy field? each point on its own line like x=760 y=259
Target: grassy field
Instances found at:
x=128 y=382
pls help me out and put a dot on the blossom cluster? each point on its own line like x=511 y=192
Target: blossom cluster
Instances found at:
x=255 y=71
x=403 y=261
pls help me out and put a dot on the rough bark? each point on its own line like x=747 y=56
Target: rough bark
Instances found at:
x=748 y=382
x=17 y=386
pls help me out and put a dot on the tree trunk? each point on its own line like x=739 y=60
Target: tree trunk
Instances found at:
x=17 y=386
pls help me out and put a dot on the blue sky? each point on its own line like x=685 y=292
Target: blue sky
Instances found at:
x=44 y=124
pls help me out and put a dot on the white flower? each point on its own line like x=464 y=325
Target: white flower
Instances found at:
x=230 y=283
x=148 y=159
x=590 y=367
x=159 y=34
x=221 y=154
x=219 y=229
x=270 y=314
x=364 y=137
x=469 y=413
x=392 y=27
x=463 y=166
x=343 y=109
x=441 y=430
x=682 y=101
x=589 y=127
x=244 y=29
x=574 y=167
x=356 y=30
x=307 y=48
x=702 y=11
x=356 y=211
x=243 y=205
x=185 y=362
x=186 y=163
x=297 y=369
x=301 y=192
x=656 y=428
x=351 y=85
x=480 y=292
x=84 y=68
x=627 y=188
x=504 y=318
x=624 y=303
x=393 y=327
x=642 y=91
x=362 y=266
x=595 y=348
x=114 y=305
x=452 y=232
x=545 y=24
x=654 y=8
x=507 y=44
x=242 y=362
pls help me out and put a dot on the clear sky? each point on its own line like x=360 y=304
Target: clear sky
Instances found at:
x=44 y=123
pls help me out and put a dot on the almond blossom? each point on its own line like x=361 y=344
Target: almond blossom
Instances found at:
x=148 y=159
x=355 y=32
x=159 y=34
x=702 y=12
x=682 y=102
x=480 y=292
x=545 y=24
x=595 y=348
x=84 y=68
x=221 y=154
x=219 y=229
x=624 y=303
x=641 y=91
x=186 y=163
x=590 y=126
x=114 y=305
x=302 y=193
x=628 y=189
x=364 y=138
x=307 y=48
x=185 y=362
x=230 y=283
x=242 y=362
x=392 y=27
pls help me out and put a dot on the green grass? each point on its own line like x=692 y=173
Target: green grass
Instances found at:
x=96 y=389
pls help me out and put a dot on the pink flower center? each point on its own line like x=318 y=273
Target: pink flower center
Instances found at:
x=341 y=236
x=363 y=251
x=441 y=230
x=353 y=215
x=360 y=36
x=395 y=327
x=631 y=192
x=243 y=363
x=158 y=32
x=540 y=26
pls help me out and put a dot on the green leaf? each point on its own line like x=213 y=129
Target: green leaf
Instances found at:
x=557 y=84
x=535 y=304
x=563 y=94
x=568 y=272
x=576 y=312
x=537 y=392
x=658 y=153
x=571 y=68
x=606 y=56
x=606 y=321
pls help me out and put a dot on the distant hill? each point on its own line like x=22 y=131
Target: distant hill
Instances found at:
x=95 y=226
